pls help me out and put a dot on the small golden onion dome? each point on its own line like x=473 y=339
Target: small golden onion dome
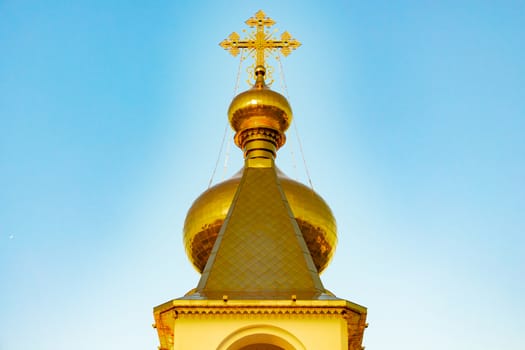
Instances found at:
x=208 y=212
x=260 y=107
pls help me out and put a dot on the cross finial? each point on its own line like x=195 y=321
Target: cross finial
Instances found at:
x=260 y=42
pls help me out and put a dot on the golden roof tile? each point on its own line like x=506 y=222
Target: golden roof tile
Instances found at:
x=260 y=252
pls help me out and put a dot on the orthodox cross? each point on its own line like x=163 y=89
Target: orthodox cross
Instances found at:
x=260 y=42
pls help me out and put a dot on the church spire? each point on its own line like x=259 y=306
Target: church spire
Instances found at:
x=260 y=240
x=260 y=118
x=260 y=251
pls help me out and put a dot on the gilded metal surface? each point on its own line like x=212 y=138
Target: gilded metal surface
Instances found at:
x=313 y=216
x=260 y=110
x=260 y=107
x=205 y=218
x=272 y=138
x=260 y=252
x=260 y=42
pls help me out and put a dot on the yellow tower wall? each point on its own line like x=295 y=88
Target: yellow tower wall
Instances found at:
x=234 y=332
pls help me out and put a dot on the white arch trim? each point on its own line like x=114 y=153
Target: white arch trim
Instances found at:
x=261 y=334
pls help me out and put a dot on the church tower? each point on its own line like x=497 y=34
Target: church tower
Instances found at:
x=260 y=241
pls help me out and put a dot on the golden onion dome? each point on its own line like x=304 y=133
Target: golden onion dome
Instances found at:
x=208 y=212
x=259 y=107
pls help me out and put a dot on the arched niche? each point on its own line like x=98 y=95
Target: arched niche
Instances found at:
x=261 y=347
x=261 y=337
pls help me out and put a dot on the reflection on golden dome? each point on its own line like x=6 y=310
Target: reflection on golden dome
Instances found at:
x=207 y=214
x=260 y=107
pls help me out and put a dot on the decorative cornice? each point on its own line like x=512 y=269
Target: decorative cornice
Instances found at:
x=233 y=311
x=353 y=314
x=272 y=135
x=231 y=308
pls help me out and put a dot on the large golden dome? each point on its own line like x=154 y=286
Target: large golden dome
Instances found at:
x=207 y=214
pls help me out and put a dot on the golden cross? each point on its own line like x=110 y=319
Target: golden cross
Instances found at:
x=261 y=42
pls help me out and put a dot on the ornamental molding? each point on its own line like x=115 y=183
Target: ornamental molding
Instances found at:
x=264 y=133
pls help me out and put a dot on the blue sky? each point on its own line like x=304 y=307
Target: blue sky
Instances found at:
x=411 y=116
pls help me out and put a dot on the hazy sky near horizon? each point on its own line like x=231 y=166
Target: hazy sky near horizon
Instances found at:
x=411 y=116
